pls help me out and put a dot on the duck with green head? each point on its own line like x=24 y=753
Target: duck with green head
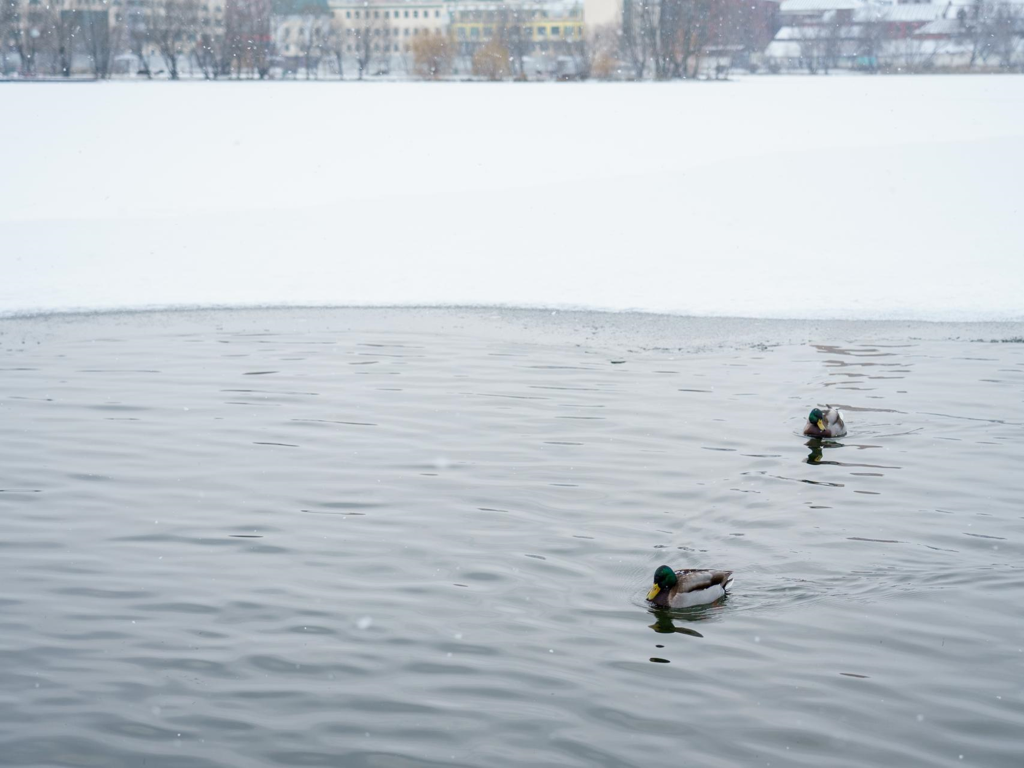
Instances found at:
x=687 y=587
x=825 y=423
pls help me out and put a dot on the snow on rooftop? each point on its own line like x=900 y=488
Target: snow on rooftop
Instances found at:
x=814 y=6
x=940 y=27
x=901 y=13
x=873 y=197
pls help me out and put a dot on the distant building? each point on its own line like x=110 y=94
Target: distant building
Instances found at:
x=818 y=35
x=300 y=31
x=599 y=13
x=384 y=32
x=537 y=28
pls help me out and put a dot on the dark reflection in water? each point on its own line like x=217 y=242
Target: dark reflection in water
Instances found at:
x=336 y=572
x=817 y=451
x=816 y=456
x=664 y=624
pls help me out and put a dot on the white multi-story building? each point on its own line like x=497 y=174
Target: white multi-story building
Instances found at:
x=380 y=34
x=392 y=26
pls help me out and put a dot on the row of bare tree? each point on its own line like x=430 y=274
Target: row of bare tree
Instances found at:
x=367 y=42
x=995 y=32
x=244 y=48
x=43 y=39
x=660 y=39
x=667 y=39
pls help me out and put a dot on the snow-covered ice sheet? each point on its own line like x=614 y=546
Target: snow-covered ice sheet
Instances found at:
x=854 y=197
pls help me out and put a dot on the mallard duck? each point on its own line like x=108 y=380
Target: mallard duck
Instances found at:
x=690 y=586
x=827 y=423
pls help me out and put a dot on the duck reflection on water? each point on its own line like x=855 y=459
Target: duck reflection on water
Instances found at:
x=817 y=450
x=665 y=625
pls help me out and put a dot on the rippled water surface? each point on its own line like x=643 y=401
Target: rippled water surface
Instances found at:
x=413 y=538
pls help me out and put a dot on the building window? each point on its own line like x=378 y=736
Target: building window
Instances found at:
x=437 y=14
x=415 y=14
x=474 y=32
x=488 y=31
x=357 y=14
x=406 y=31
x=406 y=14
x=376 y=14
x=542 y=30
x=348 y=14
x=554 y=30
x=386 y=14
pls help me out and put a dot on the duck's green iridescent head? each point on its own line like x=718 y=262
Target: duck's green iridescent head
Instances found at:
x=817 y=417
x=664 y=578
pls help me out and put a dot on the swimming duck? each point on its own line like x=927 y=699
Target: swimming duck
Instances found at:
x=690 y=586
x=827 y=423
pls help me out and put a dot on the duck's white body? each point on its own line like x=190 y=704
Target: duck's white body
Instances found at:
x=704 y=596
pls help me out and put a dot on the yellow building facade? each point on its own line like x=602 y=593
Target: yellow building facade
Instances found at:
x=543 y=25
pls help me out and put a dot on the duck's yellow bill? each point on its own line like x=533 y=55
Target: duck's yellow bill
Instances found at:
x=654 y=592
x=821 y=425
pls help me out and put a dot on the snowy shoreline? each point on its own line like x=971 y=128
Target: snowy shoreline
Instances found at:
x=860 y=198
x=1008 y=322
x=621 y=334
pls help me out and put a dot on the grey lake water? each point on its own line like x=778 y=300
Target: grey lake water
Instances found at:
x=423 y=537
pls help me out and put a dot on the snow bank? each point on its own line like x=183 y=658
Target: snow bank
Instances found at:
x=767 y=197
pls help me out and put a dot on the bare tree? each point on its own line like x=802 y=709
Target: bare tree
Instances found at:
x=10 y=23
x=56 y=37
x=135 y=34
x=172 y=23
x=30 y=34
x=313 y=30
x=512 y=30
x=670 y=42
x=593 y=51
x=370 y=38
x=492 y=61
x=684 y=30
x=639 y=34
x=1005 y=26
x=432 y=56
x=334 y=43
x=973 y=29
x=668 y=37
x=873 y=37
x=259 y=39
x=747 y=27
x=820 y=44
x=207 y=54
x=248 y=43
x=99 y=40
